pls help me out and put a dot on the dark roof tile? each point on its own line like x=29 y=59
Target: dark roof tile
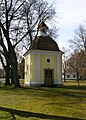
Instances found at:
x=44 y=43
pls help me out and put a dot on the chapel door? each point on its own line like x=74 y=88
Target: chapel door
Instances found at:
x=48 y=77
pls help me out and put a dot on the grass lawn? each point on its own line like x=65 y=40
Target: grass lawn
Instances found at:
x=43 y=103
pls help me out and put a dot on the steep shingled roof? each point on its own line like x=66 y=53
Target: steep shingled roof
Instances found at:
x=44 y=43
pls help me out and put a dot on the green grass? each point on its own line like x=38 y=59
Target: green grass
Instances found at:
x=43 y=103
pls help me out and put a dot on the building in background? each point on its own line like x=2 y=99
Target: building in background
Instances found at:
x=70 y=76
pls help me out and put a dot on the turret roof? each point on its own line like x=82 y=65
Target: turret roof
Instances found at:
x=44 y=43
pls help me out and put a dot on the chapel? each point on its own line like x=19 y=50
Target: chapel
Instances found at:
x=43 y=60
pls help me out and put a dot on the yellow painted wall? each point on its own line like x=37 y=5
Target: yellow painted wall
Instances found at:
x=30 y=66
x=31 y=63
x=33 y=67
x=51 y=65
x=61 y=65
x=27 y=68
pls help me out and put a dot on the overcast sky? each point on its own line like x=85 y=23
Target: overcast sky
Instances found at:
x=71 y=14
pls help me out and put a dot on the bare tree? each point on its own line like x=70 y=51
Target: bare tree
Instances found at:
x=73 y=64
x=66 y=55
x=4 y=56
x=17 y=21
x=79 y=44
x=7 y=16
x=32 y=13
x=79 y=40
x=76 y=64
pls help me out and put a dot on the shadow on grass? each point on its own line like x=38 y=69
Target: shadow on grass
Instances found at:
x=76 y=87
x=69 y=91
x=26 y=114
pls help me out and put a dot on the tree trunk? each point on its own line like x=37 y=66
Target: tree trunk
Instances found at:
x=7 y=69
x=14 y=68
x=7 y=82
x=64 y=75
x=15 y=75
x=78 y=78
x=11 y=76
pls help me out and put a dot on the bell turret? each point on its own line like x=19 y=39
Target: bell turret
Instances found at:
x=42 y=29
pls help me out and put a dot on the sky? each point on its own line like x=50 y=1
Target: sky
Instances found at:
x=71 y=14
